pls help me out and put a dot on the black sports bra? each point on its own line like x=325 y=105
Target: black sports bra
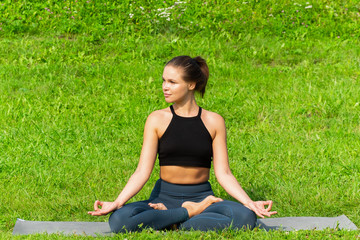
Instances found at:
x=186 y=142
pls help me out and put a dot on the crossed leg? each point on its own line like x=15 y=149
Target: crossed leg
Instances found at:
x=221 y=215
x=210 y=214
x=137 y=215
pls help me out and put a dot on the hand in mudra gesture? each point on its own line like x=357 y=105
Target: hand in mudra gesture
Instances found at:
x=259 y=208
x=106 y=207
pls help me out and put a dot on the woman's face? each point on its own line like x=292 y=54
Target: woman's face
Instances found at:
x=174 y=87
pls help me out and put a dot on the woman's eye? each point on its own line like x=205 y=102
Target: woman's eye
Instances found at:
x=170 y=81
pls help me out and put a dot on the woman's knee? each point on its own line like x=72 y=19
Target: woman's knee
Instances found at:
x=122 y=219
x=242 y=217
x=117 y=221
x=249 y=217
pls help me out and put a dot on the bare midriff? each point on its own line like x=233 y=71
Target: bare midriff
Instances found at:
x=184 y=175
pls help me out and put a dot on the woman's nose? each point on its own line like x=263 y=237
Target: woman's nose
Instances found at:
x=165 y=85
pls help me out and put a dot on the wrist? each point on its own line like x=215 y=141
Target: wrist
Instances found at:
x=118 y=203
x=248 y=203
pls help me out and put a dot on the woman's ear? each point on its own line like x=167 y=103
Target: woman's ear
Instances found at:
x=192 y=86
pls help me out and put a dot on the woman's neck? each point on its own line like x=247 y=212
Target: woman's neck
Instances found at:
x=186 y=109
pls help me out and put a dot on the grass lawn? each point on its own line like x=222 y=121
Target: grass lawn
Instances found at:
x=73 y=106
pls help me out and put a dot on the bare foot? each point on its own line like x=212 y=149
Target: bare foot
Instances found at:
x=197 y=208
x=158 y=206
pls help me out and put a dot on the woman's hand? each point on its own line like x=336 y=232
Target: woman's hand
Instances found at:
x=106 y=207
x=259 y=208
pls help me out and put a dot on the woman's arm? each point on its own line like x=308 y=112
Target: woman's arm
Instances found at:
x=141 y=174
x=226 y=178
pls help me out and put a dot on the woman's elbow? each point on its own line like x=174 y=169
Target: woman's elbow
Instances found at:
x=221 y=171
x=142 y=174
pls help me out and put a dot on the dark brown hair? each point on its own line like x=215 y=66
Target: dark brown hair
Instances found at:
x=194 y=70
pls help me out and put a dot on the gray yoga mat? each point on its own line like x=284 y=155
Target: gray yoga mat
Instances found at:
x=23 y=227
x=306 y=223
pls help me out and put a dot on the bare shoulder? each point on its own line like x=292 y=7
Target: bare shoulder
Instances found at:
x=212 y=117
x=158 y=119
x=214 y=122
x=160 y=115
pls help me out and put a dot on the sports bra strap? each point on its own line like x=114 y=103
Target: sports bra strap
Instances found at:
x=199 y=114
x=173 y=111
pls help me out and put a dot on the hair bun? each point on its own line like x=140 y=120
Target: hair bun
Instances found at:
x=203 y=66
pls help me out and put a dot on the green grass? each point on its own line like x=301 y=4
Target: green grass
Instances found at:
x=73 y=106
x=98 y=19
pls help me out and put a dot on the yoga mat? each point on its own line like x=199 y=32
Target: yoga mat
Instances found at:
x=23 y=227
x=306 y=223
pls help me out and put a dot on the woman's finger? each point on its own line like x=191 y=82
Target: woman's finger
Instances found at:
x=269 y=203
x=259 y=214
x=96 y=213
x=92 y=213
x=97 y=204
x=267 y=213
x=272 y=213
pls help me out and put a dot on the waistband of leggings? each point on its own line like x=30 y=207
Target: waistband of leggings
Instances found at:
x=162 y=185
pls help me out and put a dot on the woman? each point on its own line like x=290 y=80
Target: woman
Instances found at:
x=187 y=138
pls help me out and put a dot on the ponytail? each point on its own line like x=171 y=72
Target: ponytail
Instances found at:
x=205 y=70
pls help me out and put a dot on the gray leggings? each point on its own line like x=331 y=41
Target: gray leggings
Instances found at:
x=138 y=215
